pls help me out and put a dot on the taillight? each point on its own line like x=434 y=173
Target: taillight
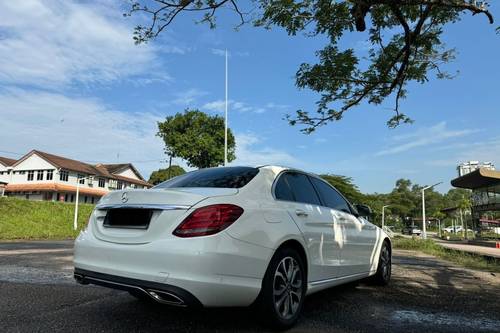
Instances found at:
x=208 y=220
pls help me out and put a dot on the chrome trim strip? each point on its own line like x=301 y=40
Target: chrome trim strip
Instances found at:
x=143 y=206
x=320 y=282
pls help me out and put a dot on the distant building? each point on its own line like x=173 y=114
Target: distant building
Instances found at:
x=42 y=176
x=470 y=166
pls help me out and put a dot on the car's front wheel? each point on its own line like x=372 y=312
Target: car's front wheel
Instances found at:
x=283 y=289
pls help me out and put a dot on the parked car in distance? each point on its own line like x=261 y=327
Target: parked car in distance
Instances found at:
x=457 y=229
x=411 y=230
x=232 y=236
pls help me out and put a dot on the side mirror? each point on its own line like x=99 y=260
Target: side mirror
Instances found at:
x=363 y=210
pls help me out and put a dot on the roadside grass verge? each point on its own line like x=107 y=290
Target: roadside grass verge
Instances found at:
x=466 y=259
x=25 y=219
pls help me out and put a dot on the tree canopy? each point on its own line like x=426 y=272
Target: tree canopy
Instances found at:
x=403 y=37
x=161 y=175
x=197 y=138
x=404 y=202
x=346 y=186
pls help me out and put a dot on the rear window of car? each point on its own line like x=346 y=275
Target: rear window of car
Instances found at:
x=225 y=177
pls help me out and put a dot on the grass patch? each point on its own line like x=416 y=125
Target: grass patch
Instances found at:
x=26 y=219
x=462 y=258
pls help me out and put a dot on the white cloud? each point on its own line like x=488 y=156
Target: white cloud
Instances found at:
x=55 y=43
x=78 y=128
x=272 y=105
x=219 y=105
x=423 y=137
x=188 y=97
x=218 y=52
x=472 y=150
x=215 y=106
x=249 y=153
x=222 y=53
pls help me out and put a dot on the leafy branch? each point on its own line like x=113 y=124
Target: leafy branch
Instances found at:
x=404 y=37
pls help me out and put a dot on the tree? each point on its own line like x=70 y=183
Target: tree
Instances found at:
x=161 y=175
x=346 y=186
x=196 y=137
x=404 y=39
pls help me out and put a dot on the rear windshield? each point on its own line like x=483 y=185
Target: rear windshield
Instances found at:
x=227 y=177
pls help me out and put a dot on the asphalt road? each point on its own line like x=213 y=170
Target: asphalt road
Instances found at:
x=37 y=294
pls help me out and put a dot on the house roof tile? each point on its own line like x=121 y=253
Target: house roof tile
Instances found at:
x=7 y=161
x=101 y=170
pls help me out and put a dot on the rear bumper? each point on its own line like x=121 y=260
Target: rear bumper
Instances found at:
x=216 y=270
x=159 y=292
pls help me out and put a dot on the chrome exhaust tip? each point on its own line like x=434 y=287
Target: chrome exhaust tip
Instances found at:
x=165 y=297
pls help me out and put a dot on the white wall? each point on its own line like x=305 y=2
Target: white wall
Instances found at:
x=33 y=162
x=129 y=173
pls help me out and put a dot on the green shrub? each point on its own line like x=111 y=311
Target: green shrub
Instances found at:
x=27 y=219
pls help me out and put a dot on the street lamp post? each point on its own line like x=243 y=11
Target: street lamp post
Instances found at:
x=424 y=232
x=383 y=215
x=75 y=221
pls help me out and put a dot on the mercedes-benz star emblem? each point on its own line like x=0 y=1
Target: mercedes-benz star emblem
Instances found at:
x=124 y=197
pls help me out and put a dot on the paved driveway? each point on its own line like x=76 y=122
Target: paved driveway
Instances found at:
x=426 y=295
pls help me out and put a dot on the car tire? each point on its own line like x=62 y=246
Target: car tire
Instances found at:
x=283 y=290
x=384 y=268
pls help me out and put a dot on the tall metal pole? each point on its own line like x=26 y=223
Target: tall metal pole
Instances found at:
x=225 y=122
x=75 y=221
x=424 y=233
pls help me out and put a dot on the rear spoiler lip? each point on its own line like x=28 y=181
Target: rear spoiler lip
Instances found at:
x=142 y=206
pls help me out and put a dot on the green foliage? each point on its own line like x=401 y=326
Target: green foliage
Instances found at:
x=458 y=257
x=346 y=186
x=27 y=219
x=403 y=39
x=196 y=137
x=161 y=175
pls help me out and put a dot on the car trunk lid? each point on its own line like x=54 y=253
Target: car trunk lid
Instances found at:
x=141 y=216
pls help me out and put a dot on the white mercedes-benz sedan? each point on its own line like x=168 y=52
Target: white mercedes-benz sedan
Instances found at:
x=232 y=236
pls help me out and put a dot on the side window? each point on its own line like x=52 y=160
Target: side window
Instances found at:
x=302 y=189
x=282 y=190
x=330 y=197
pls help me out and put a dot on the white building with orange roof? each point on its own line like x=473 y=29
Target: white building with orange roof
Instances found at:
x=43 y=176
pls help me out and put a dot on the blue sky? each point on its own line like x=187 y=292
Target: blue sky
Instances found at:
x=73 y=83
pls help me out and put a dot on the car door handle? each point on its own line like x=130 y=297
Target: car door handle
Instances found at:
x=301 y=213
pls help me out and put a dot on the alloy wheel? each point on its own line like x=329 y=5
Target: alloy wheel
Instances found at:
x=287 y=287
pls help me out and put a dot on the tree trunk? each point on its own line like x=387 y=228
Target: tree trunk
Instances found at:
x=170 y=167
